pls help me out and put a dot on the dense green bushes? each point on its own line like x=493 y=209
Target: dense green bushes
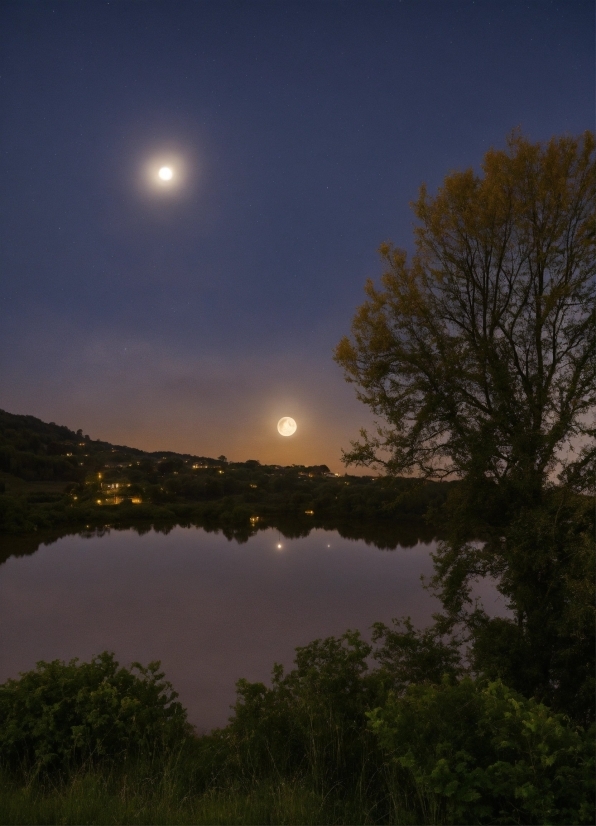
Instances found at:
x=311 y=720
x=477 y=752
x=63 y=715
x=416 y=740
x=335 y=734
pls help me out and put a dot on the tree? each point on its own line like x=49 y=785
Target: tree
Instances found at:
x=480 y=356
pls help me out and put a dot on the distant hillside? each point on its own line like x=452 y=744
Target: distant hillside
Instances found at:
x=40 y=451
x=53 y=476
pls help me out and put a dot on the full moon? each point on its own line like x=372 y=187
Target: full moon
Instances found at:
x=286 y=426
x=165 y=173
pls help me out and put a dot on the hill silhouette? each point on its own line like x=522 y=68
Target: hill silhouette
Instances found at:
x=53 y=477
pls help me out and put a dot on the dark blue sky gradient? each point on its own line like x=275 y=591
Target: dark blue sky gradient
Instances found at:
x=192 y=322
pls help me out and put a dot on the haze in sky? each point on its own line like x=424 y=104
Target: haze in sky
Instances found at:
x=191 y=309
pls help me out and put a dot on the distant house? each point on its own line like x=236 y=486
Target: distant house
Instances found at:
x=117 y=500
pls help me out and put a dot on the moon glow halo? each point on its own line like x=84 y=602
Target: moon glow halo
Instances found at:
x=165 y=173
x=286 y=426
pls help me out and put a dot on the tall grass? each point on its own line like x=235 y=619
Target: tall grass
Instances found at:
x=133 y=798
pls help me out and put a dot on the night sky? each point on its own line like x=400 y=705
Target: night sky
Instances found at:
x=192 y=316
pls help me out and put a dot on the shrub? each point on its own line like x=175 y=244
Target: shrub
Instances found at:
x=62 y=715
x=468 y=752
x=313 y=719
x=407 y=655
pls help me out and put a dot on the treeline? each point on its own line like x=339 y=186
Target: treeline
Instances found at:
x=37 y=451
x=33 y=467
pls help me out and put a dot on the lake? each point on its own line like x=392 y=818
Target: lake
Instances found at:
x=212 y=609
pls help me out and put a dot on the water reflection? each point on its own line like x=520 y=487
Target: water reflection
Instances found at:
x=212 y=610
x=385 y=535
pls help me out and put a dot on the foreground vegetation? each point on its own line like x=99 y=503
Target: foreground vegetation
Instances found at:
x=334 y=740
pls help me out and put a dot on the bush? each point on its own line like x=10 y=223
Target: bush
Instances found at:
x=313 y=719
x=435 y=751
x=408 y=655
x=14 y=516
x=468 y=752
x=62 y=715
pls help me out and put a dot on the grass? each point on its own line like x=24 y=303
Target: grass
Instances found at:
x=95 y=798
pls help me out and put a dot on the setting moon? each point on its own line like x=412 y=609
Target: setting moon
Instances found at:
x=165 y=173
x=286 y=426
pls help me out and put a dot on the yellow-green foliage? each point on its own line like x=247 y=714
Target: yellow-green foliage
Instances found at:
x=468 y=752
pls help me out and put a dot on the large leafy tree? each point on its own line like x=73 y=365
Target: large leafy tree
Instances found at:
x=481 y=354
x=479 y=358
